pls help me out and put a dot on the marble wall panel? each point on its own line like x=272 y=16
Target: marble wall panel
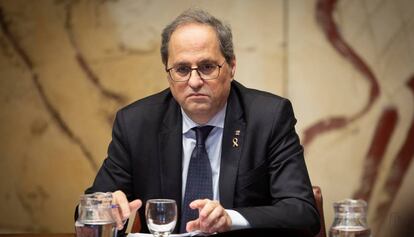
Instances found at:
x=67 y=66
x=379 y=34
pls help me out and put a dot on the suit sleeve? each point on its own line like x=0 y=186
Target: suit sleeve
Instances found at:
x=115 y=172
x=292 y=200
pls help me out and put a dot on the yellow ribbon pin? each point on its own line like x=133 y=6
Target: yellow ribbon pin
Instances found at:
x=235 y=142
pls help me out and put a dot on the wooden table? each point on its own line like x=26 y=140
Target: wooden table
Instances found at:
x=236 y=233
x=39 y=235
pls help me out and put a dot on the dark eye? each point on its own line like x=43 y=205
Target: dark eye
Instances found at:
x=207 y=68
x=182 y=70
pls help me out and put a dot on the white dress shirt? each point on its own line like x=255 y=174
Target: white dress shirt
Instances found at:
x=213 y=147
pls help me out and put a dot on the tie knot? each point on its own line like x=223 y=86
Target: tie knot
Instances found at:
x=202 y=134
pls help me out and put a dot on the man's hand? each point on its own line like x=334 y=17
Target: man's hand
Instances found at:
x=123 y=209
x=212 y=217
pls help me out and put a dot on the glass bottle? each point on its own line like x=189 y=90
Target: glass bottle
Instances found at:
x=350 y=219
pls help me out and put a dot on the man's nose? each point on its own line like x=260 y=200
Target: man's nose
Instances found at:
x=195 y=79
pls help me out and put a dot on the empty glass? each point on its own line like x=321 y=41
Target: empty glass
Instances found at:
x=95 y=216
x=350 y=219
x=161 y=216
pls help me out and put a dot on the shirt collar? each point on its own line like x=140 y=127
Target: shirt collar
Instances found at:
x=216 y=121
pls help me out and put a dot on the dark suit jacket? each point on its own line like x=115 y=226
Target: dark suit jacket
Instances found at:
x=264 y=178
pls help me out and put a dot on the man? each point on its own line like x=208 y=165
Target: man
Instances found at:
x=253 y=166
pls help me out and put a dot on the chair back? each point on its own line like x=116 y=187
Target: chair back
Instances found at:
x=136 y=226
x=319 y=205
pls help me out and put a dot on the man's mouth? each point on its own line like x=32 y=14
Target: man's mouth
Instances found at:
x=197 y=95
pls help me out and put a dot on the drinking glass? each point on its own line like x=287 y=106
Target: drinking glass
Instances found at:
x=350 y=219
x=95 y=216
x=161 y=216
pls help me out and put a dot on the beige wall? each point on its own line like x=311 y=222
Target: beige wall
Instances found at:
x=67 y=66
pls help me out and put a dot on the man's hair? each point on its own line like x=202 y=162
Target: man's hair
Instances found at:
x=222 y=30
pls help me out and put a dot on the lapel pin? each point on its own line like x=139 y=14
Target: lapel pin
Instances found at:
x=235 y=142
x=237 y=133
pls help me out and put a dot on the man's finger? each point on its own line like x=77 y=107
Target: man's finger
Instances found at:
x=122 y=208
x=220 y=226
x=135 y=205
x=213 y=216
x=117 y=217
x=121 y=203
x=198 y=204
x=208 y=208
x=193 y=225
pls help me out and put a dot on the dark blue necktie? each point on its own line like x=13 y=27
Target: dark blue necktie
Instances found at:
x=199 y=177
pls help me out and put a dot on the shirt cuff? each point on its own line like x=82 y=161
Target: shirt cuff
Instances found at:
x=237 y=220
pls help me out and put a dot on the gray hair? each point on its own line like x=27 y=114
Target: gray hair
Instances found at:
x=223 y=32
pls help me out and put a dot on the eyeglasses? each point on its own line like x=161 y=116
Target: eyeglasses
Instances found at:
x=206 y=71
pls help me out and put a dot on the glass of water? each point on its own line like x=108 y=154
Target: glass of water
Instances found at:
x=161 y=216
x=350 y=219
x=95 y=216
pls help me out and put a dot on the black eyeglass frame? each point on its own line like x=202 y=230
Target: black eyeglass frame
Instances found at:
x=199 y=74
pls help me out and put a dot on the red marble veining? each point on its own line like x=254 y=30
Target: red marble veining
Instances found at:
x=324 y=16
x=385 y=127
x=400 y=165
x=382 y=136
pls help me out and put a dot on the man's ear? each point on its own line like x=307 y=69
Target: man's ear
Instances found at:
x=233 y=67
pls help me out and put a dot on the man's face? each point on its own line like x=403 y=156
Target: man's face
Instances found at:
x=191 y=45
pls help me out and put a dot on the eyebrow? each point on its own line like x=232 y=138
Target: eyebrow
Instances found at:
x=203 y=61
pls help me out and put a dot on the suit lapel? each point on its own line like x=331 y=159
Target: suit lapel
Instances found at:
x=170 y=154
x=233 y=137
